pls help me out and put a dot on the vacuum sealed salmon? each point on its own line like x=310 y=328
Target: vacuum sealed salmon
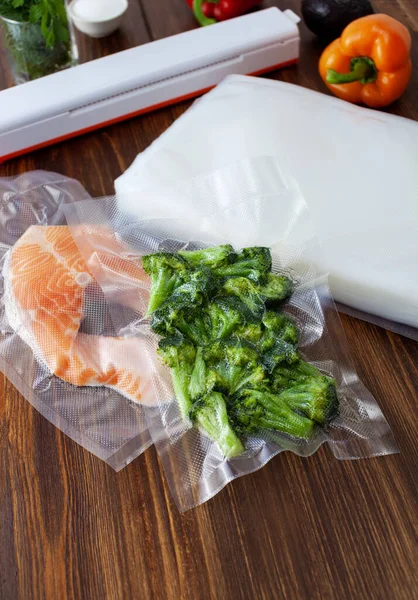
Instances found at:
x=57 y=342
x=240 y=318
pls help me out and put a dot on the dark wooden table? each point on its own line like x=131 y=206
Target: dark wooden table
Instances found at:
x=315 y=528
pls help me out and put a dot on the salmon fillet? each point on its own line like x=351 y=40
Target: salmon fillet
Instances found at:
x=45 y=278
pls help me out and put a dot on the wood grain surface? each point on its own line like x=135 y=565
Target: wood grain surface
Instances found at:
x=313 y=528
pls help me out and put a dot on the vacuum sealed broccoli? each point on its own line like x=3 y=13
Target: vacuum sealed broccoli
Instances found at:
x=223 y=342
x=231 y=300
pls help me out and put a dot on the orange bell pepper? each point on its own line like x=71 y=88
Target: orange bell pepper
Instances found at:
x=370 y=62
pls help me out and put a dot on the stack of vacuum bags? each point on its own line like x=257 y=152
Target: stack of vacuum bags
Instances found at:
x=329 y=190
x=356 y=169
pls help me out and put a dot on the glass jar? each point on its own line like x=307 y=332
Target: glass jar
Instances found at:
x=28 y=54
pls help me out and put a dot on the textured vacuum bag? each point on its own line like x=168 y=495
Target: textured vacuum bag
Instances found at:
x=57 y=343
x=251 y=203
x=357 y=170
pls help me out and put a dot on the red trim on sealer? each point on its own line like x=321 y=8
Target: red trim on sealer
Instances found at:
x=137 y=113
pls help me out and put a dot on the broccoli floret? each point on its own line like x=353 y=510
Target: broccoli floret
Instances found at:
x=179 y=355
x=246 y=291
x=170 y=311
x=282 y=326
x=216 y=257
x=281 y=352
x=254 y=410
x=211 y=415
x=276 y=288
x=198 y=381
x=198 y=286
x=167 y=272
x=216 y=320
x=316 y=397
x=277 y=327
x=195 y=325
x=250 y=332
x=179 y=315
x=253 y=263
x=232 y=364
x=225 y=314
x=285 y=376
x=266 y=342
x=234 y=351
x=182 y=312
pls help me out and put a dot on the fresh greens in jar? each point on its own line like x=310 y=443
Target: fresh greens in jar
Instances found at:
x=37 y=37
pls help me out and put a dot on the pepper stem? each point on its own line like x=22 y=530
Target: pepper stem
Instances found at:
x=362 y=69
x=200 y=16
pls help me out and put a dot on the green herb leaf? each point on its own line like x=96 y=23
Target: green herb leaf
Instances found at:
x=61 y=32
x=44 y=26
x=51 y=15
x=35 y=13
x=34 y=57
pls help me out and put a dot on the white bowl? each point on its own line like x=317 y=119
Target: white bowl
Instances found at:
x=97 y=27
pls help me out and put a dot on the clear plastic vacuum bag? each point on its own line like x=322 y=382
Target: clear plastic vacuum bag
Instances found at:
x=356 y=167
x=57 y=343
x=251 y=203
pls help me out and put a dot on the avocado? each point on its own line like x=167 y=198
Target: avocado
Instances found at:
x=328 y=18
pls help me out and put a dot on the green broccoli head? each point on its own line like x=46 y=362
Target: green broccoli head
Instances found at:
x=246 y=291
x=253 y=263
x=195 y=324
x=275 y=288
x=281 y=326
x=216 y=257
x=211 y=415
x=316 y=397
x=199 y=382
x=278 y=329
x=281 y=352
x=180 y=356
x=182 y=310
x=250 y=332
x=153 y=262
x=253 y=411
x=232 y=364
x=179 y=316
x=197 y=287
x=224 y=316
x=176 y=350
x=167 y=272
x=163 y=319
x=234 y=351
x=226 y=313
x=285 y=375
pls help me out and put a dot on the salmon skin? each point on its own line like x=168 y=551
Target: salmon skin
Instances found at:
x=45 y=279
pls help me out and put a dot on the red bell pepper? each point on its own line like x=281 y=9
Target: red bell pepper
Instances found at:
x=228 y=9
x=210 y=11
